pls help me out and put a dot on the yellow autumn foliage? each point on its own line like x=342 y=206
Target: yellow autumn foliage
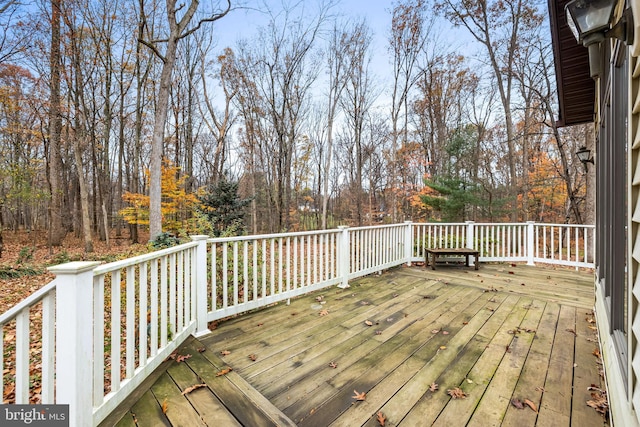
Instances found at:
x=177 y=204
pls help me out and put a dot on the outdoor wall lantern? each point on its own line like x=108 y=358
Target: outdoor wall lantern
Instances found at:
x=591 y=21
x=584 y=154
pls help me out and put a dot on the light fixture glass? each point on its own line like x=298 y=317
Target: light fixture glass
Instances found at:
x=586 y=17
x=584 y=155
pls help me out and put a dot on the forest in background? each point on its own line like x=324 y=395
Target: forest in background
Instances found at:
x=110 y=107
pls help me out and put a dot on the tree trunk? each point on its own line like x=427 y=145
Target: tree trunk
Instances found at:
x=56 y=228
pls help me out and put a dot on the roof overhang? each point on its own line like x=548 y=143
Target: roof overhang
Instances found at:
x=576 y=89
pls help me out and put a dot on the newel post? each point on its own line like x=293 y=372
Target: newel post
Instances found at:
x=408 y=241
x=74 y=339
x=531 y=243
x=201 y=285
x=343 y=254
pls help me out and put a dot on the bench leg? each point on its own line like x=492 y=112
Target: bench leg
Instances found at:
x=434 y=257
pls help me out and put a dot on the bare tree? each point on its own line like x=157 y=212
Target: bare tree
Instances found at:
x=179 y=21
x=409 y=31
x=500 y=27
x=356 y=102
x=56 y=228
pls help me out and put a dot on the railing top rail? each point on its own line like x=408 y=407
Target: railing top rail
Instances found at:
x=371 y=227
x=117 y=265
x=270 y=236
x=542 y=224
x=32 y=299
x=440 y=223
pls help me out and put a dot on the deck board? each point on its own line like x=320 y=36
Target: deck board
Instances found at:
x=506 y=331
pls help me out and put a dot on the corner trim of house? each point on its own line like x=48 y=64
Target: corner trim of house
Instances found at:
x=621 y=411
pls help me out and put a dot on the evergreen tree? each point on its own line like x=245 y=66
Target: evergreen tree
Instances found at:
x=223 y=208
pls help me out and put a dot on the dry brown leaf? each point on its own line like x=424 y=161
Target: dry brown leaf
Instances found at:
x=225 y=371
x=201 y=349
x=319 y=298
x=572 y=331
x=182 y=358
x=443 y=347
x=225 y=352
x=433 y=387
x=517 y=403
x=368 y=322
x=333 y=365
x=253 y=357
x=165 y=406
x=359 y=396
x=445 y=333
x=531 y=405
x=457 y=393
x=381 y=418
x=324 y=312
x=596 y=352
x=435 y=331
x=599 y=402
x=378 y=332
x=193 y=387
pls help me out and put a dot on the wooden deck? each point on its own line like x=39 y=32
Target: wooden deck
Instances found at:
x=499 y=333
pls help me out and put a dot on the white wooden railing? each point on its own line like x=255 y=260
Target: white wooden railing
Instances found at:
x=107 y=327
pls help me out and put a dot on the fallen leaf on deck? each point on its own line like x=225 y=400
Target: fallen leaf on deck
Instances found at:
x=572 y=331
x=443 y=347
x=457 y=393
x=381 y=418
x=531 y=405
x=193 y=387
x=511 y=272
x=433 y=387
x=253 y=357
x=517 y=403
x=319 y=298
x=469 y=380
x=364 y=302
x=368 y=322
x=333 y=365
x=465 y=323
x=599 y=403
x=165 y=406
x=225 y=352
x=435 y=331
x=201 y=349
x=324 y=312
x=225 y=371
x=445 y=333
x=359 y=396
x=596 y=353
x=182 y=358
x=540 y=389
x=378 y=332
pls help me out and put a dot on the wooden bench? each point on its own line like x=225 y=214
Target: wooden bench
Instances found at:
x=435 y=253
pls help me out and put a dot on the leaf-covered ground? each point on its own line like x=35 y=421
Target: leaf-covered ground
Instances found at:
x=25 y=257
